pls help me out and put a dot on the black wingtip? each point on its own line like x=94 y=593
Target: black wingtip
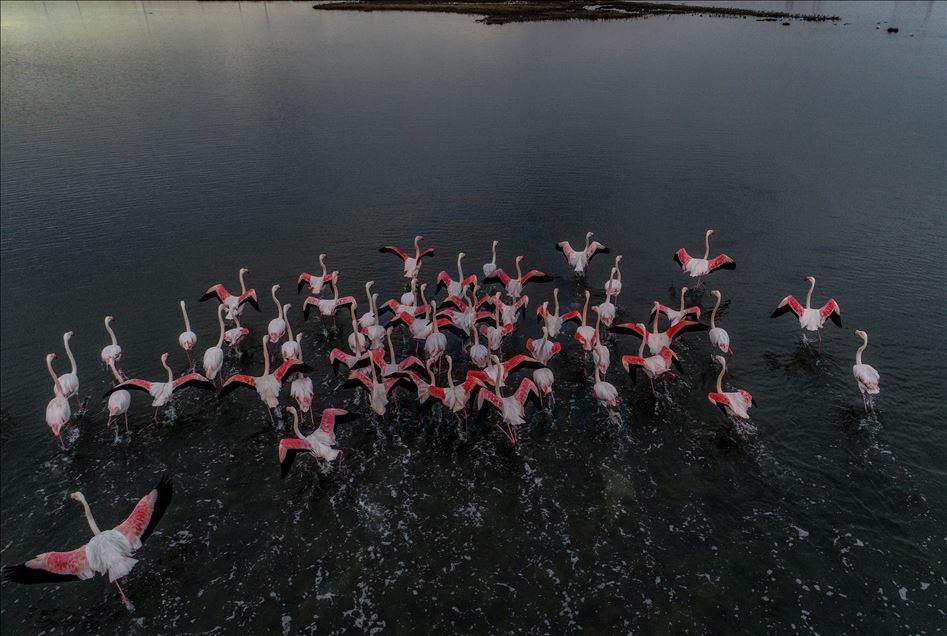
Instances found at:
x=299 y=285
x=779 y=311
x=208 y=296
x=27 y=575
x=165 y=490
x=836 y=319
x=730 y=265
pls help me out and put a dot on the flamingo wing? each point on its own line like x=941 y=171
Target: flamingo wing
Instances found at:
x=631 y=361
x=631 y=328
x=425 y=253
x=526 y=387
x=249 y=297
x=192 y=379
x=238 y=379
x=327 y=423
x=218 y=291
x=502 y=276
x=491 y=397
x=721 y=262
x=357 y=377
x=565 y=248
x=133 y=384
x=684 y=325
x=789 y=303
x=50 y=567
x=536 y=276
x=304 y=279
x=594 y=247
x=682 y=257
x=443 y=280
x=308 y=304
x=721 y=400
x=293 y=365
x=287 y=450
x=394 y=250
x=147 y=513
x=346 y=300
x=520 y=360
x=833 y=311
x=573 y=315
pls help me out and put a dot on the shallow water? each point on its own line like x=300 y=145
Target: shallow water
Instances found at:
x=150 y=150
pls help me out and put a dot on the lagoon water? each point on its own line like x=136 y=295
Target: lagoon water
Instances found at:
x=151 y=149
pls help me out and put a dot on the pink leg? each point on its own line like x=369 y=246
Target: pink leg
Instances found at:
x=126 y=421
x=341 y=457
x=269 y=412
x=121 y=594
x=312 y=418
x=78 y=401
x=61 y=443
x=155 y=418
x=820 y=340
x=108 y=422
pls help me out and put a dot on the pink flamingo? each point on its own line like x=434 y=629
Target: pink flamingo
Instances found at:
x=316 y=283
x=511 y=408
x=719 y=338
x=586 y=335
x=412 y=264
x=514 y=286
x=677 y=315
x=700 y=267
x=320 y=443
x=187 y=339
x=69 y=382
x=119 y=401
x=491 y=267
x=108 y=552
x=579 y=259
x=456 y=287
x=734 y=404
x=234 y=303
x=653 y=366
x=268 y=384
x=213 y=359
x=865 y=375
x=277 y=326
x=658 y=340
x=810 y=319
x=161 y=392
x=291 y=348
x=543 y=349
x=111 y=351
x=58 y=412
x=553 y=321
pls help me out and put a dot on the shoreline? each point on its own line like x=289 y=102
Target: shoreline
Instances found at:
x=536 y=11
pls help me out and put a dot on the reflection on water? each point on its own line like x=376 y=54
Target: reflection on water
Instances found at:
x=151 y=149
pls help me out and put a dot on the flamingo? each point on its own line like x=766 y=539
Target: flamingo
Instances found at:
x=553 y=321
x=112 y=351
x=277 y=326
x=69 y=382
x=108 y=552
x=495 y=334
x=543 y=378
x=456 y=287
x=187 y=339
x=606 y=309
x=357 y=343
x=465 y=316
x=734 y=404
x=658 y=340
x=436 y=342
x=654 y=365
x=600 y=353
x=300 y=386
x=700 y=267
x=865 y=374
x=291 y=348
x=377 y=391
x=491 y=267
x=810 y=319
x=234 y=335
x=214 y=356
x=677 y=315
x=58 y=412
x=456 y=396
x=514 y=286
x=412 y=264
x=613 y=286
x=719 y=338
x=479 y=354
x=604 y=391
x=234 y=303
x=511 y=408
x=586 y=335
x=319 y=443
x=119 y=401
x=161 y=392
x=425 y=389
x=328 y=307
x=268 y=384
x=495 y=374
x=579 y=260
x=375 y=332
x=369 y=317
x=543 y=349
x=407 y=304
x=316 y=283
x=392 y=366
x=509 y=313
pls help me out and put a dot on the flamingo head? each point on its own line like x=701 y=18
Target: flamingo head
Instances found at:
x=460 y=256
x=861 y=334
x=519 y=258
x=164 y=358
x=809 y=279
x=495 y=243
x=709 y=232
x=322 y=257
x=50 y=357
x=721 y=360
x=589 y=235
x=78 y=496
x=109 y=319
x=69 y=334
x=275 y=287
x=713 y=292
x=244 y=270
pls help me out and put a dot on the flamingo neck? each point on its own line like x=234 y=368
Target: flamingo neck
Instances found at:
x=289 y=330
x=861 y=349
x=279 y=307
x=713 y=314
x=706 y=245
x=220 y=320
x=423 y=297
x=450 y=372
x=460 y=270
x=585 y=308
x=809 y=295
x=266 y=358
x=88 y=516
x=72 y=360
x=723 y=370
x=641 y=346
x=58 y=387
x=587 y=239
x=519 y=271
x=598 y=377
x=391 y=348
x=164 y=363
x=187 y=322
x=434 y=316
x=114 y=371
x=555 y=301
x=417 y=249
x=682 y=300
x=322 y=262
x=108 y=328
x=493 y=254
x=598 y=323
x=296 y=430
x=243 y=285
x=654 y=325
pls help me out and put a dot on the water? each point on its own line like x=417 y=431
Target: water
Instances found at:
x=149 y=151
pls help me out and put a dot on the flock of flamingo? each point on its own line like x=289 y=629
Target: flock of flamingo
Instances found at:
x=481 y=321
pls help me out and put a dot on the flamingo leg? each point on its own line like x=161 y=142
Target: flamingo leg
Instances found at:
x=108 y=422
x=269 y=412
x=61 y=443
x=312 y=418
x=341 y=457
x=121 y=594
x=126 y=421
x=820 y=340
x=78 y=402
x=155 y=418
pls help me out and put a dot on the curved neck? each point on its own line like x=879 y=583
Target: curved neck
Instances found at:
x=266 y=357
x=391 y=347
x=493 y=253
x=585 y=308
x=114 y=371
x=654 y=325
x=809 y=295
x=519 y=271
x=417 y=248
x=460 y=270
x=641 y=346
x=598 y=377
x=683 y=290
x=858 y=354
x=587 y=239
x=555 y=301
x=88 y=516
x=713 y=314
x=187 y=322
x=723 y=370
x=72 y=360
x=289 y=330
x=220 y=320
x=279 y=307
x=243 y=285
x=450 y=372
x=164 y=363
x=434 y=316
x=423 y=297
x=598 y=323
x=49 y=365
x=108 y=328
x=355 y=334
x=706 y=245
x=322 y=262
x=296 y=430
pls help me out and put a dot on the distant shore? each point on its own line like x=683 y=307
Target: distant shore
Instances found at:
x=538 y=11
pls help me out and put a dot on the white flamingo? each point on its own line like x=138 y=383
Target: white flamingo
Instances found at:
x=865 y=375
x=111 y=351
x=719 y=338
x=579 y=259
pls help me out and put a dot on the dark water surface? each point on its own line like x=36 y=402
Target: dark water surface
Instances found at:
x=151 y=150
